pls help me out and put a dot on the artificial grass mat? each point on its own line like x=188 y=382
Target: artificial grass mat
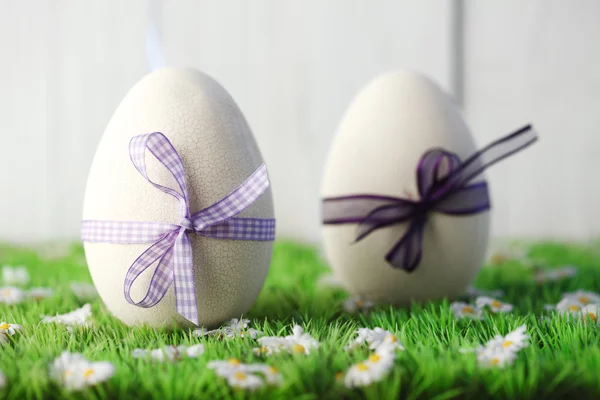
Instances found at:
x=563 y=358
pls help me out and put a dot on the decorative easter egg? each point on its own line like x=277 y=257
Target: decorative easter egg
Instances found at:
x=218 y=153
x=378 y=146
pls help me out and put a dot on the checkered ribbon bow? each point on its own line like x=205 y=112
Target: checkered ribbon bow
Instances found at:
x=171 y=245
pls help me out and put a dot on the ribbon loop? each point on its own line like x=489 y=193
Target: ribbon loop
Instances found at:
x=443 y=183
x=171 y=244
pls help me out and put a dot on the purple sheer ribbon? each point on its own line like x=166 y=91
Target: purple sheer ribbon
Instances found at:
x=171 y=245
x=443 y=186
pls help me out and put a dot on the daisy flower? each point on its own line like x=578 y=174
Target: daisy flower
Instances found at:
x=9 y=329
x=84 y=291
x=373 y=369
x=78 y=317
x=474 y=292
x=376 y=338
x=301 y=342
x=235 y=327
x=512 y=342
x=583 y=297
x=74 y=372
x=17 y=276
x=356 y=304
x=555 y=274
x=244 y=380
x=39 y=293
x=494 y=305
x=271 y=374
x=495 y=357
x=271 y=345
x=591 y=311
x=11 y=295
x=570 y=306
x=170 y=353
x=225 y=367
x=463 y=310
x=509 y=253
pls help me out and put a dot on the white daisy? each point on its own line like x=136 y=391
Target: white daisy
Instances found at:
x=365 y=373
x=84 y=291
x=512 y=342
x=225 y=368
x=356 y=304
x=509 y=253
x=270 y=345
x=244 y=380
x=570 y=306
x=74 y=372
x=494 y=305
x=15 y=276
x=271 y=374
x=11 y=295
x=555 y=274
x=78 y=317
x=591 y=311
x=583 y=297
x=463 y=310
x=39 y=293
x=235 y=327
x=375 y=338
x=301 y=342
x=474 y=292
x=170 y=353
x=9 y=329
x=495 y=357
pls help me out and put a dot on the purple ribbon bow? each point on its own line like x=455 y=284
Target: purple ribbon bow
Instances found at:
x=171 y=244
x=443 y=185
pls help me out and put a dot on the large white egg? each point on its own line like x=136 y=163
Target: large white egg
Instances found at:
x=382 y=136
x=219 y=153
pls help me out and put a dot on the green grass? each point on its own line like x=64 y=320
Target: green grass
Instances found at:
x=564 y=357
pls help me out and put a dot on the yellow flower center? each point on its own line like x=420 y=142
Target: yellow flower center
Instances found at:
x=362 y=367
x=507 y=343
x=88 y=372
x=584 y=300
x=496 y=304
x=4 y=326
x=468 y=310
x=574 y=308
x=6 y=292
x=495 y=361
x=263 y=349
x=234 y=361
x=374 y=358
x=392 y=338
x=298 y=348
x=240 y=376
x=273 y=370
x=592 y=315
x=339 y=376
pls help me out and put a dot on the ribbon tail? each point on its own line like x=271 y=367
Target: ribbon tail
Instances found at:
x=183 y=272
x=162 y=277
x=407 y=253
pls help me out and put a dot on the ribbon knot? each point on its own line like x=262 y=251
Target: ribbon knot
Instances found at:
x=444 y=186
x=186 y=224
x=171 y=246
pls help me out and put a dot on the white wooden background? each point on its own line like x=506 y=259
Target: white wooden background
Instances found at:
x=293 y=67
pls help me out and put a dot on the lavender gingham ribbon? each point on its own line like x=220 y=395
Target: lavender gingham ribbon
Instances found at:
x=171 y=245
x=443 y=186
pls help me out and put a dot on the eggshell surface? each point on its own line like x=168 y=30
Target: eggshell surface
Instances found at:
x=383 y=134
x=219 y=153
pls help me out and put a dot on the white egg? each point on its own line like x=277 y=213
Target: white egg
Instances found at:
x=219 y=153
x=387 y=128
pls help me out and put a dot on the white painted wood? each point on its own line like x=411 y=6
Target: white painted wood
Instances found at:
x=293 y=67
x=538 y=61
